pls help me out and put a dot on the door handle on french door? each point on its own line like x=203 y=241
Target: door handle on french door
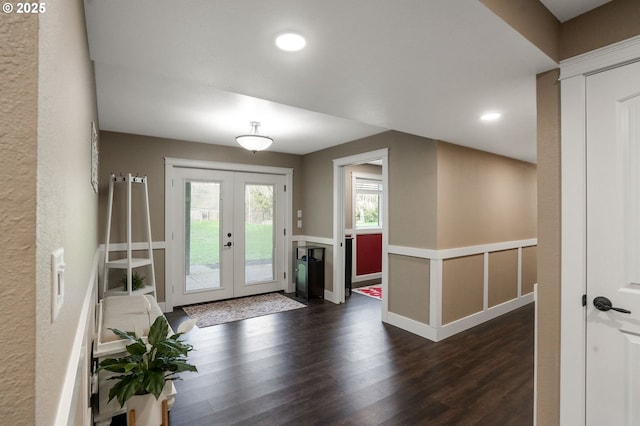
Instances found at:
x=604 y=304
x=228 y=244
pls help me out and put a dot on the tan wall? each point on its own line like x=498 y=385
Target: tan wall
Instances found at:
x=533 y=20
x=483 y=198
x=66 y=202
x=612 y=22
x=348 y=187
x=123 y=153
x=503 y=277
x=409 y=291
x=412 y=196
x=18 y=146
x=462 y=287
x=412 y=186
x=609 y=23
x=548 y=95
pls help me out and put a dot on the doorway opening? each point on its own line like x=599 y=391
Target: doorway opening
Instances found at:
x=365 y=176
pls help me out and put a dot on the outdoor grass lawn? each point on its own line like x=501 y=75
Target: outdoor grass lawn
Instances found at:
x=205 y=247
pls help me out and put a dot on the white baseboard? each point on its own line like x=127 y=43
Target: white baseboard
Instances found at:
x=466 y=323
x=448 y=330
x=330 y=296
x=367 y=277
x=412 y=326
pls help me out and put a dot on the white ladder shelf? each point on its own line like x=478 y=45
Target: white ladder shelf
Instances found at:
x=129 y=263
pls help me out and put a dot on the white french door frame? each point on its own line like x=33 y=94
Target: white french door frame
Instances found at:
x=573 y=74
x=173 y=248
x=339 y=223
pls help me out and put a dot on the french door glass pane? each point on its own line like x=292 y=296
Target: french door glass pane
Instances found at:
x=202 y=236
x=259 y=233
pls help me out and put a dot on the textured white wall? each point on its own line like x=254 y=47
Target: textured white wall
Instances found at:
x=66 y=204
x=18 y=109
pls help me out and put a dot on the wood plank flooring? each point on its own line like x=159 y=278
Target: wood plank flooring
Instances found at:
x=340 y=365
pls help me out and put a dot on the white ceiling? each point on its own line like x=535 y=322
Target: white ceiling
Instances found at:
x=567 y=9
x=201 y=70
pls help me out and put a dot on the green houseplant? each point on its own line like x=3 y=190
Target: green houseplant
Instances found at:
x=137 y=281
x=148 y=366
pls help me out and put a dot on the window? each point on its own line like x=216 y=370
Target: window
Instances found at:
x=367 y=202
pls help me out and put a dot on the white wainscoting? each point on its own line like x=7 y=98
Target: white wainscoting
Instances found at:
x=75 y=388
x=435 y=330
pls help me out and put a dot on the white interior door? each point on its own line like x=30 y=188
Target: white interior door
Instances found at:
x=228 y=229
x=613 y=247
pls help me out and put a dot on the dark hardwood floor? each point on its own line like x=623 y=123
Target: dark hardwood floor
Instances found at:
x=340 y=365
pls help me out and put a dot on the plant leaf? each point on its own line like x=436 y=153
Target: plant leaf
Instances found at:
x=116 y=365
x=158 y=331
x=154 y=383
x=129 y=335
x=179 y=366
x=171 y=347
x=137 y=348
x=127 y=386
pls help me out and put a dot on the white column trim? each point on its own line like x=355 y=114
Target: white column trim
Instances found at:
x=485 y=282
x=435 y=293
x=519 y=271
x=573 y=257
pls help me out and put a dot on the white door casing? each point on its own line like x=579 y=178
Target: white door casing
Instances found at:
x=339 y=222
x=234 y=177
x=574 y=74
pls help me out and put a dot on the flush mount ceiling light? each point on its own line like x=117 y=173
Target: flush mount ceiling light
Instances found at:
x=253 y=141
x=490 y=116
x=291 y=42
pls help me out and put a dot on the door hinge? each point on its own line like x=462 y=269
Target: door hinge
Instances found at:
x=285 y=275
x=285 y=231
x=285 y=188
x=584 y=300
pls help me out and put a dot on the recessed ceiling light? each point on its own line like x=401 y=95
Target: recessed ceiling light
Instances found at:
x=490 y=116
x=290 y=42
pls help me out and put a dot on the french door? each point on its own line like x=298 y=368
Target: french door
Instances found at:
x=229 y=227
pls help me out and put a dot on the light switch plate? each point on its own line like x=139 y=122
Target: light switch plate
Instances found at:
x=299 y=214
x=57 y=282
x=299 y=224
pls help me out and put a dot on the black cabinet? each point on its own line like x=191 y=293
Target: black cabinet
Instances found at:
x=348 y=267
x=309 y=263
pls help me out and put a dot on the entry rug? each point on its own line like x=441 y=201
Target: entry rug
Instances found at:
x=374 y=291
x=215 y=313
